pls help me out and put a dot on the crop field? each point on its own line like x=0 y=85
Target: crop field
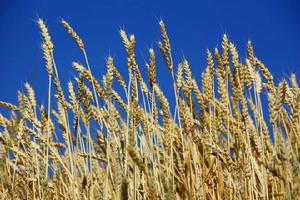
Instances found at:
x=101 y=137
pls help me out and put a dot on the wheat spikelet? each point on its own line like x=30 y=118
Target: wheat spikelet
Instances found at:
x=140 y=79
x=207 y=84
x=186 y=118
x=48 y=59
x=221 y=86
x=31 y=94
x=43 y=116
x=237 y=87
x=225 y=47
x=248 y=72
x=282 y=91
x=109 y=75
x=165 y=56
x=8 y=105
x=267 y=75
x=45 y=34
x=72 y=95
x=3 y=121
x=73 y=34
x=179 y=77
x=197 y=92
x=151 y=68
x=21 y=102
x=187 y=72
x=210 y=62
x=164 y=104
x=273 y=108
x=47 y=46
x=129 y=45
x=250 y=53
x=220 y=66
x=86 y=73
x=186 y=88
x=165 y=37
x=119 y=100
x=295 y=110
x=134 y=86
x=110 y=63
x=60 y=94
x=125 y=39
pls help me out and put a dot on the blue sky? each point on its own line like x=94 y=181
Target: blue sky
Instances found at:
x=193 y=26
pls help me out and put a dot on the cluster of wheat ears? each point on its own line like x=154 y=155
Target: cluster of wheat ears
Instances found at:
x=96 y=143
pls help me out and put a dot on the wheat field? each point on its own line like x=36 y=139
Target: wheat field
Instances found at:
x=106 y=138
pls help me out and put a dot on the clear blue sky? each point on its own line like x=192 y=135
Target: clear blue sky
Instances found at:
x=193 y=26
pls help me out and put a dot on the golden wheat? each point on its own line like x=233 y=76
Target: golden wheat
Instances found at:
x=216 y=145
